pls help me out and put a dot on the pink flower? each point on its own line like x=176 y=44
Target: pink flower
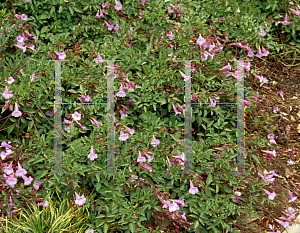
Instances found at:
x=123 y=136
x=237 y=197
x=150 y=158
x=10 y=80
x=128 y=45
x=80 y=199
x=204 y=56
x=227 y=67
x=76 y=116
x=175 y=110
x=61 y=55
x=11 y=180
x=275 y=110
x=292 y=197
x=99 y=59
x=173 y=207
x=42 y=204
x=7 y=94
x=261 y=32
x=281 y=94
x=99 y=14
x=86 y=98
x=259 y=53
x=121 y=92
x=186 y=78
x=109 y=26
x=36 y=185
x=285 y=22
x=92 y=154
x=5 y=153
x=20 y=171
x=170 y=35
x=8 y=169
x=89 y=231
x=131 y=131
x=265 y=52
x=118 y=6
x=27 y=181
x=284 y=224
x=193 y=190
x=154 y=142
x=16 y=112
x=273 y=152
x=141 y=158
x=250 y=53
x=296 y=13
x=147 y=167
x=290 y=162
x=271 y=196
x=94 y=122
x=200 y=41
x=5 y=145
x=83 y=128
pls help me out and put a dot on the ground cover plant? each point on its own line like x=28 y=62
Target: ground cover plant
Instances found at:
x=149 y=86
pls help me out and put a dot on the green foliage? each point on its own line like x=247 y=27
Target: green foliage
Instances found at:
x=119 y=203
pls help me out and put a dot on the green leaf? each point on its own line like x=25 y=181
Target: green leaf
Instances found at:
x=43 y=173
x=209 y=179
x=105 y=228
x=77 y=9
x=44 y=29
x=196 y=224
x=131 y=227
x=61 y=8
x=71 y=10
x=227 y=190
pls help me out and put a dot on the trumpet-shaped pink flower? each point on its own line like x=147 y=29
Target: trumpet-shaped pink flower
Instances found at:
x=131 y=131
x=150 y=158
x=121 y=92
x=118 y=6
x=20 y=171
x=92 y=155
x=86 y=98
x=11 y=181
x=61 y=55
x=16 y=112
x=10 y=80
x=264 y=52
x=141 y=159
x=7 y=94
x=109 y=26
x=204 y=56
x=186 y=78
x=273 y=152
x=170 y=35
x=36 y=185
x=76 y=116
x=285 y=22
x=261 y=32
x=284 y=224
x=80 y=199
x=154 y=142
x=250 y=53
x=99 y=14
x=99 y=59
x=227 y=67
x=292 y=197
x=8 y=169
x=193 y=190
x=43 y=204
x=200 y=41
x=296 y=13
x=27 y=180
x=123 y=136
x=82 y=127
x=271 y=196
x=147 y=167
x=175 y=110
